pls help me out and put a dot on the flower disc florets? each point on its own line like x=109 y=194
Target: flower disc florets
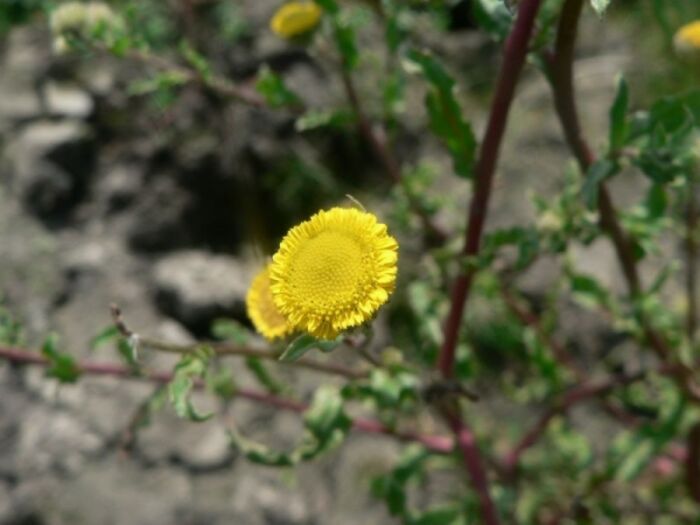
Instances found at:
x=334 y=271
x=262 y=311
x=295 y=18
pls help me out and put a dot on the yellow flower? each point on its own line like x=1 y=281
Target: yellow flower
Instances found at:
x=334 y=271
x=295 y=18
x=266 y=318
x=687 y=38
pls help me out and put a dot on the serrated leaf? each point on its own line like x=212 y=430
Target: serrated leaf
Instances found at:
x=445 y=113
x=600 y=5
x=618 y=116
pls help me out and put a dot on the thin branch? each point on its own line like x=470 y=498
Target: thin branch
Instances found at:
x=564 y=358
x=436 y=443
x=573 y=397
x=216 y=83
x=560 y=68
x=376 y=138
x=227 y=349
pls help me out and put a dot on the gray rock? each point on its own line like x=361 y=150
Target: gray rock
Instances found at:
x=196 y=287
x=66 y=100
x=50 y=164
x=119 y=186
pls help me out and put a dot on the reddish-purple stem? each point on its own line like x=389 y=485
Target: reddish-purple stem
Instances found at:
x=438 y=444
x=513 y=61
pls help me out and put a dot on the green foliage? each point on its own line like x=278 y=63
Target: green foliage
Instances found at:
x=272 y=87
x=325 y=423
x=191 y=368
x=62 y=366
x=445 y=114
x=302 y=344
x=494 y=17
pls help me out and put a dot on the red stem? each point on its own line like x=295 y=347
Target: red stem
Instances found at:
x=438 y=444
x=513 y=61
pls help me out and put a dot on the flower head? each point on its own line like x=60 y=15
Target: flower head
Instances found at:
x=295 y=18
x=687 y=38
x=85 y=20
x=334 y=271
x=266 y=318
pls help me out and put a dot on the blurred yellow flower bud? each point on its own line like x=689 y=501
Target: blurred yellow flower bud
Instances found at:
x=295 y=18
x=687 y=40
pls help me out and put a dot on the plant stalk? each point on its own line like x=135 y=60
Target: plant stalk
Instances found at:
x=515 y=52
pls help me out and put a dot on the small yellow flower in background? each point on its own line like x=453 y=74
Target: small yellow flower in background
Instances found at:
x=687 y=38
x=266 y=318
x=334 y=271
x=295 y=18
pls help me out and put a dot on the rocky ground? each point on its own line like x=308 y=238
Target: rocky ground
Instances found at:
x=143 y=212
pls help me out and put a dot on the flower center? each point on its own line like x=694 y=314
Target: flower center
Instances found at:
x=330 y=270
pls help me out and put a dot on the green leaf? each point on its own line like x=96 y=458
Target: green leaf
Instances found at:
x=190 y=368
x=303 y=344
x=105 y=336
x=259 y=453
x=600 y=5
x=315 y=118
x=62 y=366
x=196 y=60
x=494 y=17
x=618 y=116
x=588 y=290
x=272 y=87
x=445 y=113
x=222 y=384
x=326 y=425
x=392 y=486
x=298 y=348
x=597 y=173
x=656 y=201
x=128 y=352
x=648 y=442
x=343 y=33
x=263 y=375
